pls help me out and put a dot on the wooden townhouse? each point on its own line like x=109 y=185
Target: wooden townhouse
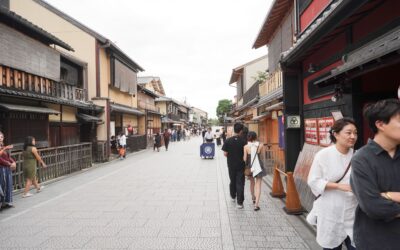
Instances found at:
x=42 y=94
x=277 y=34
x=175 y=114
x=109 y=74
x=150 y=123
x=247 y=93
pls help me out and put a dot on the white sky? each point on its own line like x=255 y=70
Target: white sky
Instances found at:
x=191 y=45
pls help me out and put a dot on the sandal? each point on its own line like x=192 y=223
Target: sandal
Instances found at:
x=256 y=208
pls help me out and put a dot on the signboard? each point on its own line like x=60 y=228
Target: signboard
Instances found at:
x=293 y=121
x=324 y=126
x=337 y=115
x=300 y=174
x=311 y=131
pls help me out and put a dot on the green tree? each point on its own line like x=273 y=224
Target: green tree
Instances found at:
x=224 y=107
x=213 y=122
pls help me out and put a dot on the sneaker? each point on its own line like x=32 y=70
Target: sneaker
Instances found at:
x=27 y=195
x=40 y=189
x=239 y=206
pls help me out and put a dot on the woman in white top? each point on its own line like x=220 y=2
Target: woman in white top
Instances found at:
x=251 y=157
x=335 y=204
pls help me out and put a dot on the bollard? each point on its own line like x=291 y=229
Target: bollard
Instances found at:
x=277 y=187
x=293 y=205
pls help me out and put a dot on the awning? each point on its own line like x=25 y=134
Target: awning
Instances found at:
x=88 y=118
x=182 y=109
x=260 y=117
x=248 y=104
x=167 y=120
x=275 y=106
x=125 y=109
x=239 y=117
x=31 y=109
x=384 y=45
x=275 y=94
x=153 y=112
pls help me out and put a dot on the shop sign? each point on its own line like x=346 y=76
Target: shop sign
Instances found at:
x=293 y=121
x=311 y=131
x=324 y=126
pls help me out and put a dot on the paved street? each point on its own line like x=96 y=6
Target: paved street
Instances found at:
x=165 y=200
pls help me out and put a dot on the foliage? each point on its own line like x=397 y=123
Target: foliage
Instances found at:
x=213 y=122
x=261 y=76
x=224 y=107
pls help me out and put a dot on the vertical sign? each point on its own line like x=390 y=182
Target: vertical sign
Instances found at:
x=311 y=131
x=324 y=126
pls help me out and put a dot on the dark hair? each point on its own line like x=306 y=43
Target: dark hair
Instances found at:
x=251 y=136
x=339 y=125
x=237 y=127
x=28 y=141
x=383 y=111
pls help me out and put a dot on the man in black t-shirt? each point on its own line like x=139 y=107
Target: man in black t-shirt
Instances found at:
x=233 y=150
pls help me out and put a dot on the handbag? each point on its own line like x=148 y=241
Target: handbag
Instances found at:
x=247 y=170
x=312 y=215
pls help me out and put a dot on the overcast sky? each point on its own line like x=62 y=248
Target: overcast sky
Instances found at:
x=191 y=45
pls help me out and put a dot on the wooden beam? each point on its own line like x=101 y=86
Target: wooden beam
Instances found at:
x=1 y=75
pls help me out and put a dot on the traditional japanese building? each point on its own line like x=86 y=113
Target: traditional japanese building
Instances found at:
x=42 y=91
x=246 y=78
x=110 y=75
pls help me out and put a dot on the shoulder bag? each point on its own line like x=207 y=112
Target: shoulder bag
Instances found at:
x=247 y=169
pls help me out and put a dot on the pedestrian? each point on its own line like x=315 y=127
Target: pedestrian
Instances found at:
x=122 y=146
x=252 y=158
x=223 y=135
x=184 y=134
x=328 y=179
x=31 y=156
x=166 y=136
x=208 y=136
x=233 y=150
x=7 y=165
x=178 y=134
x=113 y=143
x=157 y=142
x=203 y=133
x=375 y=179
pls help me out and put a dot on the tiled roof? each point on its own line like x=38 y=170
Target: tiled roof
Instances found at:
x=51 y=99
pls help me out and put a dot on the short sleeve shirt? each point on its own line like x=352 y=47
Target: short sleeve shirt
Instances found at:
x=234 y=147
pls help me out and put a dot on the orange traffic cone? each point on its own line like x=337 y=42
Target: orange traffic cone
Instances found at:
x=293 y=205
x=277 y=187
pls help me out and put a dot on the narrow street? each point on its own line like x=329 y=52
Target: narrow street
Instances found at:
x=151 y=200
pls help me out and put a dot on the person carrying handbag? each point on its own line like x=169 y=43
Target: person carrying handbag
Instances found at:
x=251 y=152
x=329 y=177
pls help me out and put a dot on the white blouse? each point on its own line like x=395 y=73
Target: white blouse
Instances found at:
x=335 y=209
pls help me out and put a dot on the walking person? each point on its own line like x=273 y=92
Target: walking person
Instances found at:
x=329 y=181
x=208 y=136
x=7 y=165
x=223 y=135
x=157 y=142
x=252 y=158
x=166 y=136
x=233 y=150
x=31 y=156
x=122 y=146
x=375 y=180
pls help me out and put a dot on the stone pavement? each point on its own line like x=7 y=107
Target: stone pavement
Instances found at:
x=151 y=200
